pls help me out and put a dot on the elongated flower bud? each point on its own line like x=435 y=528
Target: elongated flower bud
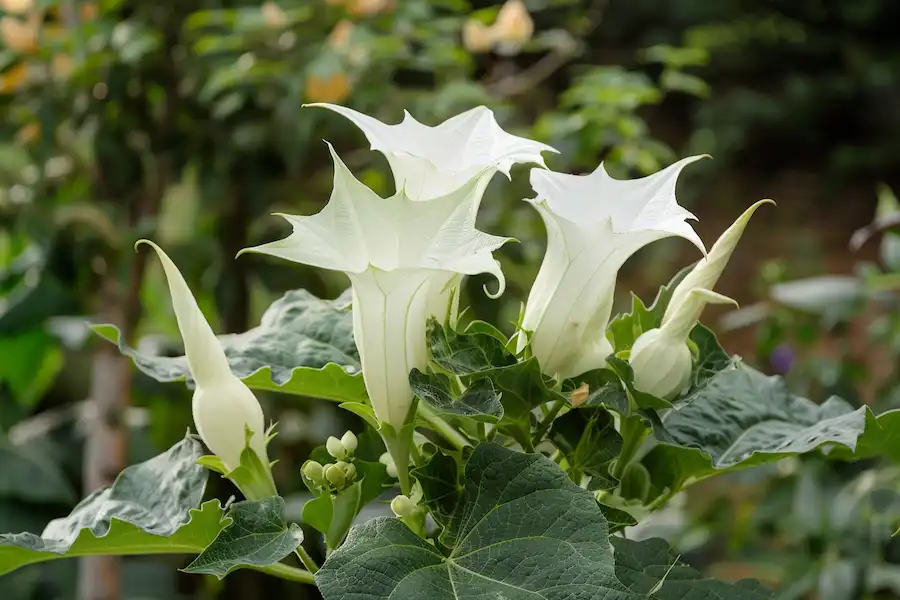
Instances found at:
x=349 y=442
x=223 y=406
x=335 y=448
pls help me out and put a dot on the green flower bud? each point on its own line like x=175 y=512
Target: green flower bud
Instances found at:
x=403 y=506
x=315 y=472
x=349 y=441
x=335 y=447
x=350 y=472
x=335 y=476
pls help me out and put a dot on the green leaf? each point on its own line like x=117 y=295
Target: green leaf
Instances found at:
x=151 y=508
x=31 y=477
x=617 y=519
x=258 y=536
x=526 y=531
x=345 y=507
x=588 y=438
x=467 y=353
x=303 y=346
x=651 y=570
x=711 y=357
x=31 y=361
x=743 y=418
x=480 y=401
x=442 y=489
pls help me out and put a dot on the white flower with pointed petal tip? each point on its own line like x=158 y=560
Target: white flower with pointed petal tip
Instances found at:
x=660 y=358
x=401 y=257
x=594 y=223
x=429 y=162
x=223 y=406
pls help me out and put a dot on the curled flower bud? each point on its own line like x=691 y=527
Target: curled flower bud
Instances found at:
x=335 y=448
x=661 y=363
x=349 y=441
x=403 y=506
x=315 y=472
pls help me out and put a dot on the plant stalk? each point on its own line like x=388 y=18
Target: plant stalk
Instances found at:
x=283 y=571
x=450 y=433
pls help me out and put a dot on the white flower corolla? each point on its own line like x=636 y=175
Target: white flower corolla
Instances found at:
x=594 y=223
x=401 y=256
x=661 y=358
x=223 y=406
x=429 y=162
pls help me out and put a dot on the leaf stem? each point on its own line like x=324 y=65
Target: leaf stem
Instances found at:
x=547 y=421
x=633 y=432
x=450 y=433
x=306 y=559
x=288 y=572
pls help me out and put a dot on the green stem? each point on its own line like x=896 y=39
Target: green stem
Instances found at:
x=288 y=572
x=547 y=421
x=450 y=433
x=306 y=559
x=633 y=434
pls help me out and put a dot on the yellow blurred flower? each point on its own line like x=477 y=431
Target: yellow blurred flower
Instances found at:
x=477 y=37
x=19 y=35
x=16 y=7
x=273 y=15
x=513 y=27
x=61 y=65
x=13 y=78
x=328 y=88
x=89 y=11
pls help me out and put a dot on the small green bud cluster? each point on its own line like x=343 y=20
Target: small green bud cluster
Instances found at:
x=337 y=476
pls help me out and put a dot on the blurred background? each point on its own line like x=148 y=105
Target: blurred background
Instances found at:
x=182 y=122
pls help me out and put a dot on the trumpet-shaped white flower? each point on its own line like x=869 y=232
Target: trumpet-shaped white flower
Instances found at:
x=223 y=406
x=429 y=162
x=402 y=257
x=594 y=223
x=661 y=358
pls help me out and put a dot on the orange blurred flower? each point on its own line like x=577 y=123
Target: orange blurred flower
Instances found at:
x=329 y=88
x=368 y=8
x=28 y=133
x=16 y=7
x=19 y=35
x=273 y=15
x=340 y=35
x=513 y=27
x=89 y=11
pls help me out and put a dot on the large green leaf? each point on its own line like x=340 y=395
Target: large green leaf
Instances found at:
x=258 y=536
x=151 y=508
x=467 y=353
x=742 y=418
x=651 y=570
x=302 y=346
x=525 y=531
x=442 y=489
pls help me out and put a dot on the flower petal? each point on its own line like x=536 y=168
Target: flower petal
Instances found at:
x=430 y=161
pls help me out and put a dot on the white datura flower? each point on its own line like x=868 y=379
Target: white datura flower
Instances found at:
x=223 y=406
x=429 y=162
x=401 y=257
x=594 y=223
x=660 y=358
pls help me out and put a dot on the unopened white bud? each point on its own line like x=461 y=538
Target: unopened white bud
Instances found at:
x=403 y=506
x=349 y=441
x=350 y=471
x=335 y=476
x=335 y=448
x=661 y=363
x=315 y=472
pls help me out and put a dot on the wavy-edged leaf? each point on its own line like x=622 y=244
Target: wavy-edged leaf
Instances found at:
x=151 y=508
x=479 y=402
x=651 y=569
x=588 y=438
x=526 y=531
x=257 y=536
x=303 y=345
x=742 y=418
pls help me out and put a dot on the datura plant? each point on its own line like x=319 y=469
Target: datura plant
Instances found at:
x=490 y=465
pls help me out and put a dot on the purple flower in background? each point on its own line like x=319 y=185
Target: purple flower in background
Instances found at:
x=782 y=358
